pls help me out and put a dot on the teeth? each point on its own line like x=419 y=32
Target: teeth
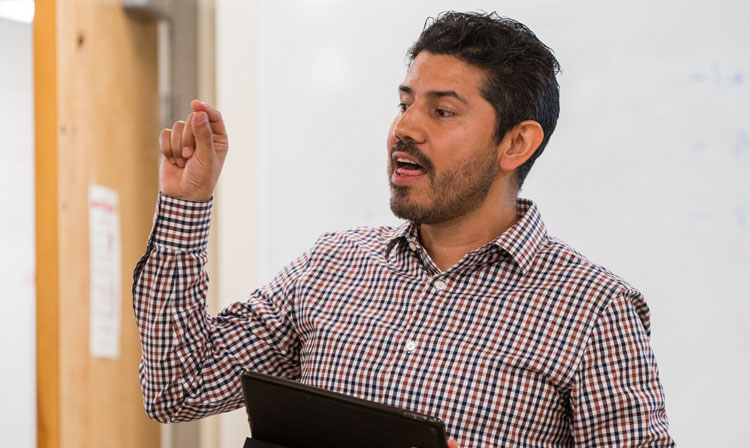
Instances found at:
x=401 y=159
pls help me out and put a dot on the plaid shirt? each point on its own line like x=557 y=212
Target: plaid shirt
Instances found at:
x=524 y=342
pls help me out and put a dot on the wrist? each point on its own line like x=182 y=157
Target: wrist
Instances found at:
x=187 y=197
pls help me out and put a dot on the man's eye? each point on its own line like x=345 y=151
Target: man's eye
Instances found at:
x=402 y=107
x=442 y=113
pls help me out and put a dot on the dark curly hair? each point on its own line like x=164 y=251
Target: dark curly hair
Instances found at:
x=520 y=70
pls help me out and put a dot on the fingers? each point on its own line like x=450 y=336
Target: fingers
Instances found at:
x=176 y=144
x=165 y=144
x=214 y=117
x=188 y=139
x=204 y=137
x=182 y=141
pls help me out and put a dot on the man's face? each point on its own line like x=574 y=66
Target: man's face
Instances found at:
x=443 y=157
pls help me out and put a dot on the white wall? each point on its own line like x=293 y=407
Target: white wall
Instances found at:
x=236 y=198
x=646 y=174
x=17 y=297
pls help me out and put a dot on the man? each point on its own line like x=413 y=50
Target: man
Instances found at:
x=469 y=311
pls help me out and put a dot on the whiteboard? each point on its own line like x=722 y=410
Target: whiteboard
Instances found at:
x=17 y=245
x=646 y=174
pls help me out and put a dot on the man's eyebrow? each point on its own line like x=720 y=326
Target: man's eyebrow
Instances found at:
x=405 y=89
x=434 y=93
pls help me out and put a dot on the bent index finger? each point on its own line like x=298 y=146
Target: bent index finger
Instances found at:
x=214 y=117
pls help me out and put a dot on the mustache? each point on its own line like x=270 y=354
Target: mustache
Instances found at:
x=410 y=148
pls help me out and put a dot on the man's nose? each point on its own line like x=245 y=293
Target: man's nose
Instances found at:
x=409 y=126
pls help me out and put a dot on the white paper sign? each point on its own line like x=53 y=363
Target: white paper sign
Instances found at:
x=104 y=251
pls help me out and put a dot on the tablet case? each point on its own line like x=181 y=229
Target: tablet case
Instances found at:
x=255 y=443
x=295 y=415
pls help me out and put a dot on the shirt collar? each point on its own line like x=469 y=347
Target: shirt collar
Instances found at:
x=407 y=232
x=521 y=241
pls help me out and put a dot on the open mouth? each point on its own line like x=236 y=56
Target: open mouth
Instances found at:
x=405 y=166
x=406 y=169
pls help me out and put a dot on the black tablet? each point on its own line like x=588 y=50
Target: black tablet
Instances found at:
x=296 y=415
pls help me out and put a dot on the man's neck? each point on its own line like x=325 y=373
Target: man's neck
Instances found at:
x=448 y=242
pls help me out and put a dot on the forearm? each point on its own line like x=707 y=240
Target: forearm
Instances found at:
x=169 y=293
x=192 y=362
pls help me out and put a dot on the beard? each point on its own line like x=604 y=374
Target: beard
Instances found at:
x=452 y=193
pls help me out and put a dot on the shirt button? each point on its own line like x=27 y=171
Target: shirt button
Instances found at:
x=410 y=346
x=439 y=285
x=412 y=246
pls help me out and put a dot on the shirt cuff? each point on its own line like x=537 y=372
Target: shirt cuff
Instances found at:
x=181 y=225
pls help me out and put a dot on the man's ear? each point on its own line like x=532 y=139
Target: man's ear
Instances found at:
x=519 y=144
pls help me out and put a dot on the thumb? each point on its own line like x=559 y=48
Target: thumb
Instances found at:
x=204 y=138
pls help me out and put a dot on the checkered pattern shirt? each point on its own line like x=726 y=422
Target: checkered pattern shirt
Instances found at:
x=524 y=342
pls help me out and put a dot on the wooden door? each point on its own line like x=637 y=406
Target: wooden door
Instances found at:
x=96 y=122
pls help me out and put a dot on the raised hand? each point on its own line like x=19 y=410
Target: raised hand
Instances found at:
x=194 y=151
